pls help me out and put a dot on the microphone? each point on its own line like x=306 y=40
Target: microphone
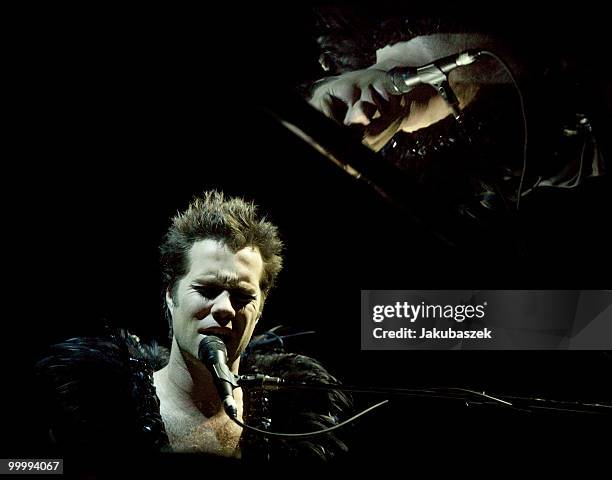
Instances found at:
x=403 y=79
x=213 y=354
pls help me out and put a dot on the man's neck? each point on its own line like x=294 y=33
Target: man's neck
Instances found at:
x=187 y=383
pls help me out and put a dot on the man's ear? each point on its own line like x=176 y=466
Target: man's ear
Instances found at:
x=169 y=301
x=261 y=307
x=259 y=314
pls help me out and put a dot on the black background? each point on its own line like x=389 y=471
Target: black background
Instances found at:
x=122 y=116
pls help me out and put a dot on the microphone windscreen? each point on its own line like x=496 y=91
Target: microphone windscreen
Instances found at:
x=209 y=349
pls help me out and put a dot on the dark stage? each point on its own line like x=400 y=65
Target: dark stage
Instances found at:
x=127 y=115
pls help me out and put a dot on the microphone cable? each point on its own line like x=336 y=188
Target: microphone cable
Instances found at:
x=309 y=434
x=522 y=404
x=346 y=422
x=508 y=71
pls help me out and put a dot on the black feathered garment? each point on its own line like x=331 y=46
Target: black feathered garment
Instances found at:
x=99 y=397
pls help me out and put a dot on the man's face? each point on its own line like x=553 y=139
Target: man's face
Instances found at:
x=219 y=295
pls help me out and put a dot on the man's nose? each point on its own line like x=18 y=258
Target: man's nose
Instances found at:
x=222 y=310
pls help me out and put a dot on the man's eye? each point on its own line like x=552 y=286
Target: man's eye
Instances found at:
x=209 y=292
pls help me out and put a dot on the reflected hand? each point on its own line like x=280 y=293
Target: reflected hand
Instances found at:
x=361 y=98
x=356 y=98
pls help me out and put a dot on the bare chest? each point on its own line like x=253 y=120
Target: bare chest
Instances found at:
x=196 y=433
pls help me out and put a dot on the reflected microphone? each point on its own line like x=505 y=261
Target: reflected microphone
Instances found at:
x=213 y=354
x=403 y=79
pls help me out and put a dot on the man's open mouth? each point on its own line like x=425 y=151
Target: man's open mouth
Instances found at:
x=225 y=334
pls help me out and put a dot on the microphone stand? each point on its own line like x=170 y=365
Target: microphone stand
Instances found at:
x=451 y=393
